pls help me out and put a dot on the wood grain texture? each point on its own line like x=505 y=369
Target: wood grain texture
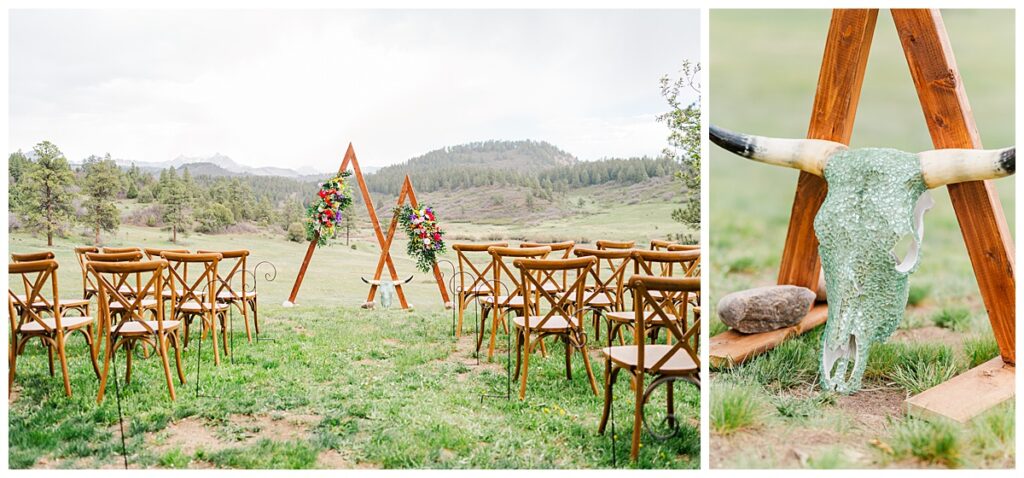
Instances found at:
x=832 y=117
x=731 y=348
x=967 y=395
x=951 y=123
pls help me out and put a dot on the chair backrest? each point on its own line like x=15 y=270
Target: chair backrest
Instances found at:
x=202 y=287
x=80 y=253
x=502 y=258
x=603 y=245
x=118 y=250
x=669 y=314
x=35 y=275
x=110 y=274
x=669 y=263
x=124 y=281
x=565 y=248
x=693 y=269
x=478 y=279
x=32 y=256
x=153 y=253
x=533 y=273
x=237 y=261
x=609 y=274
x=660 y=245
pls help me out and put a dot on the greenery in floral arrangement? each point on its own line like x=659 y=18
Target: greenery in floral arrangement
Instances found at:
x=426 y=239
x=324 y=215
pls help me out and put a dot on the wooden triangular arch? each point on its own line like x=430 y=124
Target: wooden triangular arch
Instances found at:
x=382 y=241
x=979 y=212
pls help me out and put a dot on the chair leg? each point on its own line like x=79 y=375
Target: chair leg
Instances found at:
x=162 y=345
x=254 y=306
x=129 y=347
x=590 y=372
x=49 y=354
x=526 y=363
x=245 y=318
x=63 y=357
x=462 y=311
x=609 y=384
x=638 y=414
x=494 y=333
x=177 y=356
x=213 y=333
x=106 y=371
x=13 y=359
x=568 y=358
x=224 y=321
x=519 y=351
x=483 y=321
x=87 y=331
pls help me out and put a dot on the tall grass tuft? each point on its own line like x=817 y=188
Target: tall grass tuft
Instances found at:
x=919 y=367
x=955 y=318
x=936 y=442
x=735 y=407
x=793 y=363
x=918 y=293
x=980 y=349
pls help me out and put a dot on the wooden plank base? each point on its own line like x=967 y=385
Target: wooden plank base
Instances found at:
x=967 y=395
x=733 y=348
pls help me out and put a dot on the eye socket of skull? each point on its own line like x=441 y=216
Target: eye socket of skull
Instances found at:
x=911 y=243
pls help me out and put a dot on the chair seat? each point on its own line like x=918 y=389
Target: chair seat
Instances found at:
x=144 y=304
x=229 y=296
x=135 y=327
x=626 y=356
x=555 y=323
x=601 y=299
x=479 y=289
x=630 y=317
x=67 y=323
x=504 y=300
x=64 y=303
x=167 y=293
x=193 y=306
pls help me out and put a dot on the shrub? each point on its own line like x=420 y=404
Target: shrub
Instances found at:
x=296 y=232
x=952 y=318
x=979 y=349
x=918 y=293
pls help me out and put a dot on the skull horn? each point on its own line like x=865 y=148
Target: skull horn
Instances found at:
x=406 y=281
x=947 y=166
x=808 y=155
x=371 y=282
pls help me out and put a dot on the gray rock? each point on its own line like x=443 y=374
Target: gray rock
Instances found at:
x=765 y=308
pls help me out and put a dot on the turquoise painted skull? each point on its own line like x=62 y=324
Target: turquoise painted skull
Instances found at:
x=387 y=290
x=874 y=208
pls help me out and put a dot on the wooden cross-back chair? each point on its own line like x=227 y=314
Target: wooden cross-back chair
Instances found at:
x=43 y=304
x=660 y=264
x=153 y=254
x=233 y=287
x=479 y=282
x=134 y=327
x=563 y=319
x=506 y=289
x=607 y=291
x=27 y=321
x=198 y=296
x=88 y=286
x=661 y=245
x=665 y=363
x=121 y=250
x=128 y=285
x=559 y=250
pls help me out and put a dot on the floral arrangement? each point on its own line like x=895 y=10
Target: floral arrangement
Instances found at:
x=426 y=239
x=324 y=215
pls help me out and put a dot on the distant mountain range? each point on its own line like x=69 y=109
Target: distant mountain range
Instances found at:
x=218 y=165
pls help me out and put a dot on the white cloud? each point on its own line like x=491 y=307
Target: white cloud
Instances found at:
x=292 y=88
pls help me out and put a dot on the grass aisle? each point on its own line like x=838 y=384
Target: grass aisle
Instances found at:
x=336 y=387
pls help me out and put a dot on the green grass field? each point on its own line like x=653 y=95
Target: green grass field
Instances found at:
x=337 y=386
x=770 y=413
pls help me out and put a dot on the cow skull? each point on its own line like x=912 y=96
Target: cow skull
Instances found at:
x=876 y=197
x=387 y=289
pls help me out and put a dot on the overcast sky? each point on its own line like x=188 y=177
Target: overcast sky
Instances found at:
x=292 y=88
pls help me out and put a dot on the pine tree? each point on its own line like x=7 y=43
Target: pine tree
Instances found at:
x=102 y=184
x=684 y=141
x=176 y=200
x=47 y=203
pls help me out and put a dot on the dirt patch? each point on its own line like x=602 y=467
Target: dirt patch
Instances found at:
x=872 y=408
x=192 y=434
x=930 y=334
x=332 y=460
x=392 y=342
